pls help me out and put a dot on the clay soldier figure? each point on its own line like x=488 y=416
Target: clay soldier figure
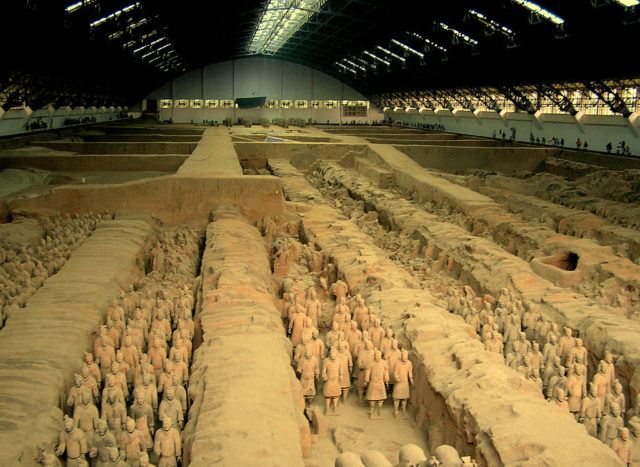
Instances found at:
x=314 y=307
x=623 y=446
x=376 y=333
x=578 y=350
x=360 y=310
x=332 y=376
x=331 y=338
x=615 y=396
x=85 y=415
x=180 y=392
x=344 y=356
x=339 y=289
x=119 y=378
x=171 y=408
x=130 y=443
x=560 y=397
x=566 y=345
x=89 y=382
x=114 y=310
x=307 y=331
x=610 y=424
x=340 y=312
x=295 y=326
x=385 y=346
x=591 y=411
x=365 y=357
x=102 y=439
x=73 y=441
x=105 y=356
x=130 y=354
x=403 y=378
x=368 y=320
x=299 y=351
x=309 y=374
x=157 y=357
x=115 y=413
x=93 y=368
x=150 y=391
x=601 y=381
x=353 y=335
x=536 y=357
x=141 y=408
x=377 y=379
x=574 y=390
x=76 y=392
x=166 y=444
x=609 y=367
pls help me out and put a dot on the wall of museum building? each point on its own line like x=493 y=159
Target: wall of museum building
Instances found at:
x=597 y=130
x=258 y=77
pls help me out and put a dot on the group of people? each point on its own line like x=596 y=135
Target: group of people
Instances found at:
x=23 y=269
x=555 y=141
x=621 y=148
x=357 y=350
x=557 y=362
x=129 y=402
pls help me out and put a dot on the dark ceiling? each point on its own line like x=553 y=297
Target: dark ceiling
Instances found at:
x=57 y=51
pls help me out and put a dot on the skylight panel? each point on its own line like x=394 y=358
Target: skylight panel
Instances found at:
x=390 y=53
x=280 y=20
x=354 y=65
x=537 y=9
x=76 y=6
x=113 y=15
x=491 y=24
x=346 y=68
x=407 y=48
x=375 y=57
x=460 y=35
x=430 y=43
x=627 y=3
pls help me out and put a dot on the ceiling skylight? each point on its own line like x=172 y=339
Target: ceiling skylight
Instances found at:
x=279 y=21
x=537 y=9
x=627 y=3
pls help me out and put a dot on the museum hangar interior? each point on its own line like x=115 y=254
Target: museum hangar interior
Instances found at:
x=214 y=215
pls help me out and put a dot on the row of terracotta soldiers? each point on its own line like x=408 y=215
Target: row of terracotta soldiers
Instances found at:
x=356 y=336
x=560 y=369
x=133 y=398
x=24 y=269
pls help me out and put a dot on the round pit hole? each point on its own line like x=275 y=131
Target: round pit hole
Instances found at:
x=567 y=261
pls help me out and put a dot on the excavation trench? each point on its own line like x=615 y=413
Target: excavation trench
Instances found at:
x=464 y=395
x=487 y=268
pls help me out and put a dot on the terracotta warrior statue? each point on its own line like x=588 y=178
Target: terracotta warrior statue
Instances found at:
x=72 y=440
x=332 y=377
x=377 y=379
x=403 y=378
x=167 y=444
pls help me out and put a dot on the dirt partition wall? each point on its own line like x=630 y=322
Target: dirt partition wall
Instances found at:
x=247 y=402
x=173 y=200
x=42 y=345
x=120 y=148
x=461 y=158
x=165 y=163
x=464 y=396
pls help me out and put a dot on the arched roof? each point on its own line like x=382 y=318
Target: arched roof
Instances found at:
x=125 y=48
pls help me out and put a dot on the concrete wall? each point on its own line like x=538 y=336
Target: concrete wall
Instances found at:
x=258 y=76
x=456 y=159
x=597 y=130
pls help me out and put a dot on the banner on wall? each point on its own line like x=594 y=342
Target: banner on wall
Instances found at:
x=250 y=102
